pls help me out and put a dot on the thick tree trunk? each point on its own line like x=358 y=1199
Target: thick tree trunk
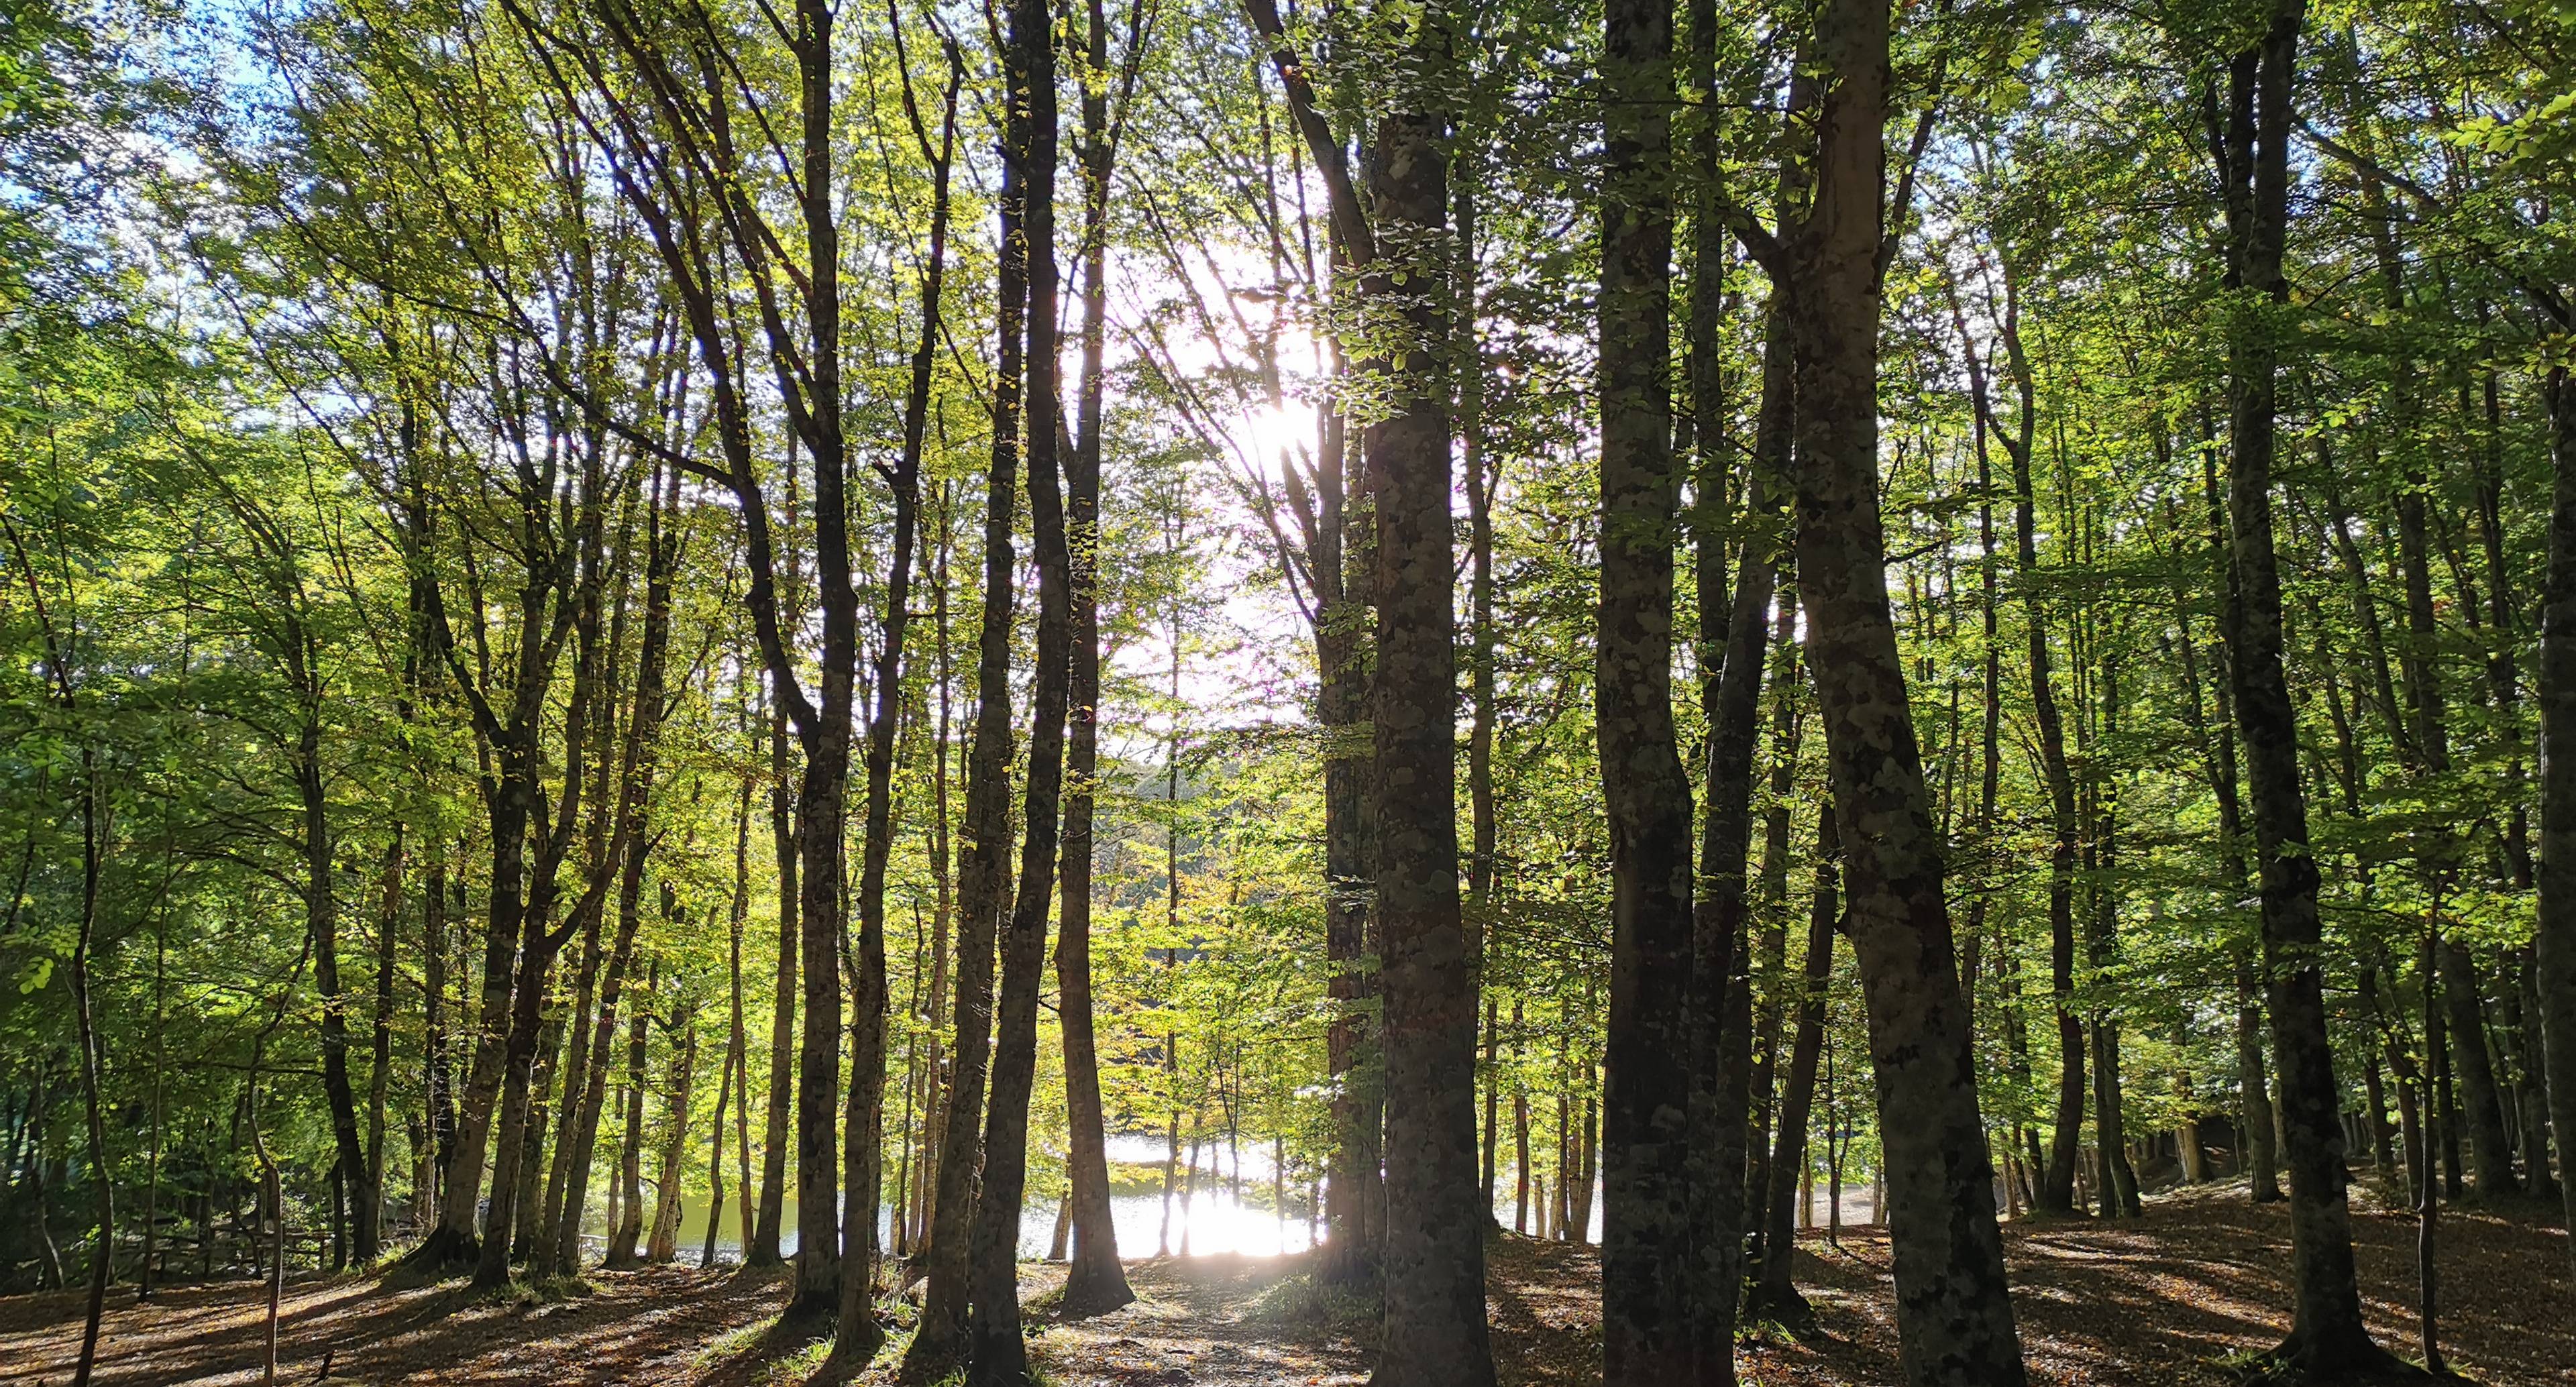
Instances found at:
x=508 y=808
x=822 y=802
x=2490 y=1150
x=998 y=1353
x=1434 y=1329
x=1954 y=1313
x=2555 y=939
x=528 y=1208
x=1651 y=1278
x=575 y=1073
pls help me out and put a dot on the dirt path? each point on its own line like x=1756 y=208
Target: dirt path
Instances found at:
x=2101 y=1305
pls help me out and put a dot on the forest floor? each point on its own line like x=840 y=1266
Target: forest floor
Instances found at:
x=2113 y=1305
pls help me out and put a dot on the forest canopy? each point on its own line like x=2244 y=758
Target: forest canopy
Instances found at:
x=896 y=639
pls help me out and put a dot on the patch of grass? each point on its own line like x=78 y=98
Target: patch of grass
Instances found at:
x=732 y=1342
x=798 y=1364
x=778 y=1349
x=411 y=1276
x=544 y=1290
x=1301 y=1299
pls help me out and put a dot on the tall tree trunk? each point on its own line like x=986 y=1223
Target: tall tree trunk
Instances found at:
x=1651 y=1279
x=1482 y=478
x=102 y=1258
x=1773 y=983
x=998 y=1353
x=2110 y=1147
x=1339 y=569
x=2252 y=145
x=663 y=1243
x=2057 y=1187
x=1096 y=1282
x=2555 y=941
x=580 y=1140
x=1954 y=1315
x=622 y=857
x=371 y=1184
x=1774 y=1294
x=528 y=1209
x=322 y=918
x=2428 y=1208
x=549 y=823
x=939 y=1343
x=626 y=1238
x=1721 y=973
x=2490 y=1150
x=715 y=1162
x=737 y=1039
x=767 y=1233
x=2257 y=1154
x=434 y=1041
x=859 y=1335
x=2537 y=1138
x=1434 y=1329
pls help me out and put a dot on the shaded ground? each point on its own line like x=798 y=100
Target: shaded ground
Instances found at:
x=2101 y=1305
x=632 y=1327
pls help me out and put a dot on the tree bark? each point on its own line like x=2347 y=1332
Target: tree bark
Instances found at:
x=626 y=1237
x=2252 y=146
x=2556 y=933
x=2490 y=1150
x=663 y=1243
x=322 y=917
x=1338 y=570
x=1096 y=1282
x=1954 y=1314
x=767 y=1234
x=2056 y=1193
x=1774 y=1294
x=997 y=1351
x=1652 y=1283
x=1434 y=1328
x=623 y=856
x=859 y=1336
x=939 y=1342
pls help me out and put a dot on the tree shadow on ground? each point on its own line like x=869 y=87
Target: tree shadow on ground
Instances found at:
x=645 y=1326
